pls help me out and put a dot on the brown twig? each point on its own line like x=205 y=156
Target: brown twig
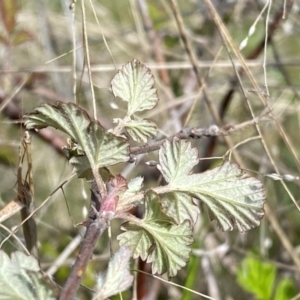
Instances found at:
x=197 y=133
x=95 y=227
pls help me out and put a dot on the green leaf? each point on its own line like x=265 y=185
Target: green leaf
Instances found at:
x=134 y=84
x=141 y=130
x=19 y=278
x=177 y=160
x=257 y=277
x=180 y=207
x=234 y=199
x=100 y=147
x=285 y=290
x=157 y=239
x=104 y=148
x=117 y=277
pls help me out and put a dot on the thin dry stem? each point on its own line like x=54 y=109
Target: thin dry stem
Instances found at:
x=87 y=57
x=274 y=221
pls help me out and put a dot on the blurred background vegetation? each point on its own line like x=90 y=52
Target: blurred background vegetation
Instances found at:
x=36 y=50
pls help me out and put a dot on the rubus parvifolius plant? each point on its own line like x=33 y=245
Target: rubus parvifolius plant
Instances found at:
x=164 y=236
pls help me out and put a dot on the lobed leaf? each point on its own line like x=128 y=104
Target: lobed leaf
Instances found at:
x=157 y=239
x=19 y=278
x=177 y=160
x=67 y=117
x=180 y=207
x=141 y=130
x=134 y=84
x=234 y=199
x=117 y=277
x=101 y=147
x=105 y=148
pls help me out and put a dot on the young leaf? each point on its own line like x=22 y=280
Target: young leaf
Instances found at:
x=100 y=147
x=117 y=277
x=134 y=84
x=19 y=278
x=134 y=186
x=109 y=202
x=141 y=130
x=157 y=239
x=233 y=198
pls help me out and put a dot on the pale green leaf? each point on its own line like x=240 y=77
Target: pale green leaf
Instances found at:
x=105 y=149
x=180 y=207
x=23 y=261
x=100 y=147
x=125 y=202
x=157 y=239
x=19 y=278
x=134 y=84
x=117 y=277
x=134 y=186
x=233 y=198
x=67 y=117
x=141 y=130
x=177 y=159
